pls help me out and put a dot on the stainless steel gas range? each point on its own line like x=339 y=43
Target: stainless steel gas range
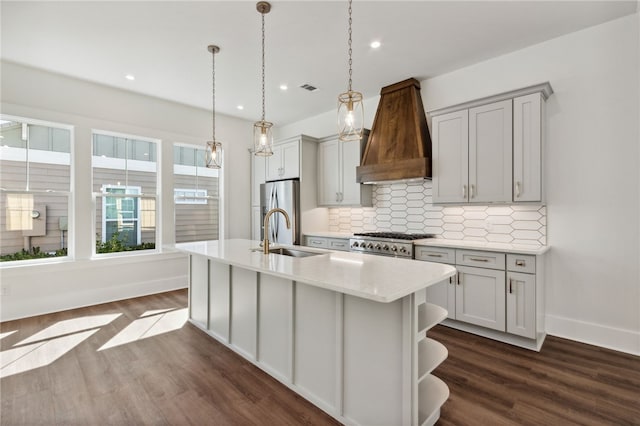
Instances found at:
x=396 y=244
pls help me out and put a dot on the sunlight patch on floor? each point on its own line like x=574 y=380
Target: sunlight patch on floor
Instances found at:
x=155 y=312
x=149 y=326
x=25 y=358
x=5 y=334
x=70 y=326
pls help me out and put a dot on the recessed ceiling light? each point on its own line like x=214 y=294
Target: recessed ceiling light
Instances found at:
x=130 y=77
x=283 y=87
x=375 y=44
x=240 y=107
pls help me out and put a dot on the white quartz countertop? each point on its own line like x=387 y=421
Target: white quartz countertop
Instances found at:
x=377 y=278
x=480 y=245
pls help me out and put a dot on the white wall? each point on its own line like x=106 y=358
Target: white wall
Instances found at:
x=36 y=94
x=592 y=160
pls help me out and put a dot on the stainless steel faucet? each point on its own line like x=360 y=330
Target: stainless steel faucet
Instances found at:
x=265 y=242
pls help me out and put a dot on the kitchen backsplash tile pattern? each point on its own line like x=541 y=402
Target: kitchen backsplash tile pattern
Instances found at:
x=408 y=207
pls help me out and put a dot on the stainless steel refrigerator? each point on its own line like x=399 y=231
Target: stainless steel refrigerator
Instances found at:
x=286 y=195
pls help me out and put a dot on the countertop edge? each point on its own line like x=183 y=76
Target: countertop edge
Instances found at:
x=391 y=296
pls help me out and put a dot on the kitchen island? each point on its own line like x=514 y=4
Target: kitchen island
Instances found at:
x=347 y=331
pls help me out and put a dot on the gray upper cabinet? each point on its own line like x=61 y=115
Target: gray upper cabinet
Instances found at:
x=528 y=122
x=490 y=150
x=337 y=162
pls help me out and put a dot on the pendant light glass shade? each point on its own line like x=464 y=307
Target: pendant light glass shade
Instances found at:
x=350 y=116
x=350 y=108
x=262 y=136
x=213 y=154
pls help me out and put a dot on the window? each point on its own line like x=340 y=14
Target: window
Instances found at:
x=196 y=195
x=121 y=214
x=125 y=187
x=35 y=171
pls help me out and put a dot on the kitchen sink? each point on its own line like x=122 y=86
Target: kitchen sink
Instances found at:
x=292 y=252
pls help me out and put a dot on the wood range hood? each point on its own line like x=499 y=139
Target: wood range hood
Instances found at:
x=399 y=145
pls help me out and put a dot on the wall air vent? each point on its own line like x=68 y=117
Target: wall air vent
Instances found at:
x=309 y=87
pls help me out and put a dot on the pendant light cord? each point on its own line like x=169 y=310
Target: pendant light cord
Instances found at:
x=350 y=50
x=213 y=94
x=263 y=103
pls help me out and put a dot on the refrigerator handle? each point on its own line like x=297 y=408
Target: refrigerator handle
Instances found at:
x=276 y=221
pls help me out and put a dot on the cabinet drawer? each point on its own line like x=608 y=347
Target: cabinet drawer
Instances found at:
x=481 y=259
x=521 y=263
x=338 y=244
x=316 y=242
x=435 y=254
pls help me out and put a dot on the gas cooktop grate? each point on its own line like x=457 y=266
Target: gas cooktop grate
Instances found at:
x=394 y=235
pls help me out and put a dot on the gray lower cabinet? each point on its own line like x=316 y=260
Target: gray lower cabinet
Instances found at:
x=341 y=244
x=492 y=290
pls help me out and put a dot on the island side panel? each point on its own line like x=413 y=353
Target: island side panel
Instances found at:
x=317 y=346
x=219 y=300
x=199 y=290
x=244 y=311
x=375 y=362
x=275 y=326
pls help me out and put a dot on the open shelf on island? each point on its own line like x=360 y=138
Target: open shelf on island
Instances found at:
x=429 y=315
x=430 y=354
x=432 y=393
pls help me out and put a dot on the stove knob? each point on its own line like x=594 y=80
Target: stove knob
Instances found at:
x=394 y=248
x=385 y=247
x=403 y=250
x=355 y=244
x=377 y=246
x=370 y=246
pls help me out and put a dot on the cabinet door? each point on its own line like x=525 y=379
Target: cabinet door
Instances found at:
x=521 y=304
x=351 y=189
x=490 y=150
x=273 y=164
x=527 y=148
x=328 y=173
x=480 y=297
x=450 y=147
x=443 y=294
x=258 y=164
x=290 y=160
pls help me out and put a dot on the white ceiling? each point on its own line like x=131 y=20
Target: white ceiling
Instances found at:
x=164 y=44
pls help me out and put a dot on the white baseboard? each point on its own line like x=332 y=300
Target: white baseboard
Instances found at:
x=618 y=339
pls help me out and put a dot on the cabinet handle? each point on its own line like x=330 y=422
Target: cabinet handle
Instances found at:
x=341 y=196
x=464 y=191
x=517 y=189
x=520 y=262
x=459 y=278
x=471 y=191
x=510 y=285
x=450 y=281
x=434 y=255
x=337 y=196
x=477 y=259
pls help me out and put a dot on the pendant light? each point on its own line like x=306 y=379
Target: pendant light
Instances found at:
x=213 y=154
x=350 y=109
x=262 y=135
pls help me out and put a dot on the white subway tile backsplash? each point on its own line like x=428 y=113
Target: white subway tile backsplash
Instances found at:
x=474 y=214
x=407 y=207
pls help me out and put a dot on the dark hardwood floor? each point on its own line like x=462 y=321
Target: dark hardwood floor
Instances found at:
x=137 y=362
